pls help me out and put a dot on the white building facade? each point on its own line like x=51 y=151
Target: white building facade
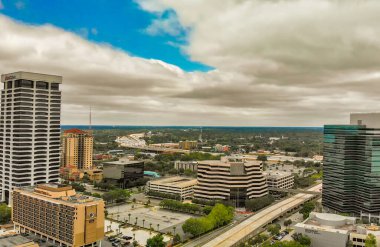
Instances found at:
x=29 y=130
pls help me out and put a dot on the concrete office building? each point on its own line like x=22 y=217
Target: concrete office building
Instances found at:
x=186 y=165
x=351 y=170
x=122 y=172
x=59 y=215
x=29 y=130
x=279 y=180
x=231 y=178
x=77 y=148
x=181 y=186
x=330 y=230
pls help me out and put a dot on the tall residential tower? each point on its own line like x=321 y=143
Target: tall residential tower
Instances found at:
x=77 y=148
x=29 y=130
x=351 y=169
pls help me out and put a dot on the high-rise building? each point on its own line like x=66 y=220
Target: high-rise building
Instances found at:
x=77 y=148
x=58 y=214
x=231 y=178
x=29 y=130
x=351 y=167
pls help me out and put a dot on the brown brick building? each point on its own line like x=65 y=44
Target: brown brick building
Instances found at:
x=59 y=214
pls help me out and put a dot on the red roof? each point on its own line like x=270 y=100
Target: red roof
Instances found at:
x=75 y=131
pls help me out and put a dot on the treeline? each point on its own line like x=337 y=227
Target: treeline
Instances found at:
x=5 y=213
x=163 y=195
x=182 y=207
x=117 y=195
x=219 y=216
x=259 y=203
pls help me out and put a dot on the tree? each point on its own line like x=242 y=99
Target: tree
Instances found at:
x=177 y=239
x=274 y=229
x=156 y=241
x=207 y=210
x=5 y=213
x=370 y=241
x=306 y=209
x=262 y=157
x=288 y=222
x=259 y=203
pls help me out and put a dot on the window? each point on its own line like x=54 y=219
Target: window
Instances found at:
x=24 y=83
x=42 y=85
x=9 y=84
x=54 y=86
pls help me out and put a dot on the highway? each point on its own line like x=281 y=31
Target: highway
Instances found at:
x=247 y=228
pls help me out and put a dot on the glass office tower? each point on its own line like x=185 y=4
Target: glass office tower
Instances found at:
x=29 y=130
x=351 y=169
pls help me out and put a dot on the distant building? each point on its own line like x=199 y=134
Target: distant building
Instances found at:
x=16 y=240
x=29 y=130
x=351 y=170
x=70 y=173
x=122 y=172
x=181 y=186
x=95 y=175
x=77 y=148
x=279 y=180
x=359 y=236
x=188 y=145
x=133 y=140
x=230 y=178
x=222 y=148
x=324 y=230
x=186 y=165
x=59 y=215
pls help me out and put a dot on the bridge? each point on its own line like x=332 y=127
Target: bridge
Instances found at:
x=157 y=149
x=250 y=227
x=296 y=191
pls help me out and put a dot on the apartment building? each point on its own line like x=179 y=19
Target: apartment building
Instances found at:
x=186 y=165
x=77 y=148
x=280 y=180
x=58 y=214
x=30 y=129
x=181 y=186
x=351 y=167
x=231 y=178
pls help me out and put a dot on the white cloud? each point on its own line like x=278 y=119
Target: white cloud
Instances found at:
x=165 y=25
x=283 y=63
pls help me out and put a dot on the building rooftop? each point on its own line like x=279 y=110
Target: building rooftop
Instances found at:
x=329 y=222
x=57 y=192
x=75 y=131
x=122 y=162
x=177 y=181
x=277 y=174
x=13 y=240
x=31 y=76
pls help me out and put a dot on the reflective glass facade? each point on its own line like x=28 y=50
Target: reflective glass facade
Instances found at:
x=351 y=179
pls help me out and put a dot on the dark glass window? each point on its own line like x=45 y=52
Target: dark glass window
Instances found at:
x=9 y=84
x=54 y=86
x=42 y=85
x=24 y=83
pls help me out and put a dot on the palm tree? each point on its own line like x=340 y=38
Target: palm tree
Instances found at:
x=136 y=221
x=143 y=222
x=174 y=228
x=129 y=217
x=158 y=227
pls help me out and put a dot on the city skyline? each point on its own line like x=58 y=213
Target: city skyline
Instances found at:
x=289 y=63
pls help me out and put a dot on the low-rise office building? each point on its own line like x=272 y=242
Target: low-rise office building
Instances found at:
x=58 y=214
x=95 y=175
x=180 y=186
x=279 y=180
x=121 y=173
x=188 y=145
x=231 y=178
x=186 y=165
x=327 y=229
x=359 y=236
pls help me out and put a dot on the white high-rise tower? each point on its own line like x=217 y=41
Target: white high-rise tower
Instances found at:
x=29 y=130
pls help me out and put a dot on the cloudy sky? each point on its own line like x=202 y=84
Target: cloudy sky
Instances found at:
x=200 y=62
